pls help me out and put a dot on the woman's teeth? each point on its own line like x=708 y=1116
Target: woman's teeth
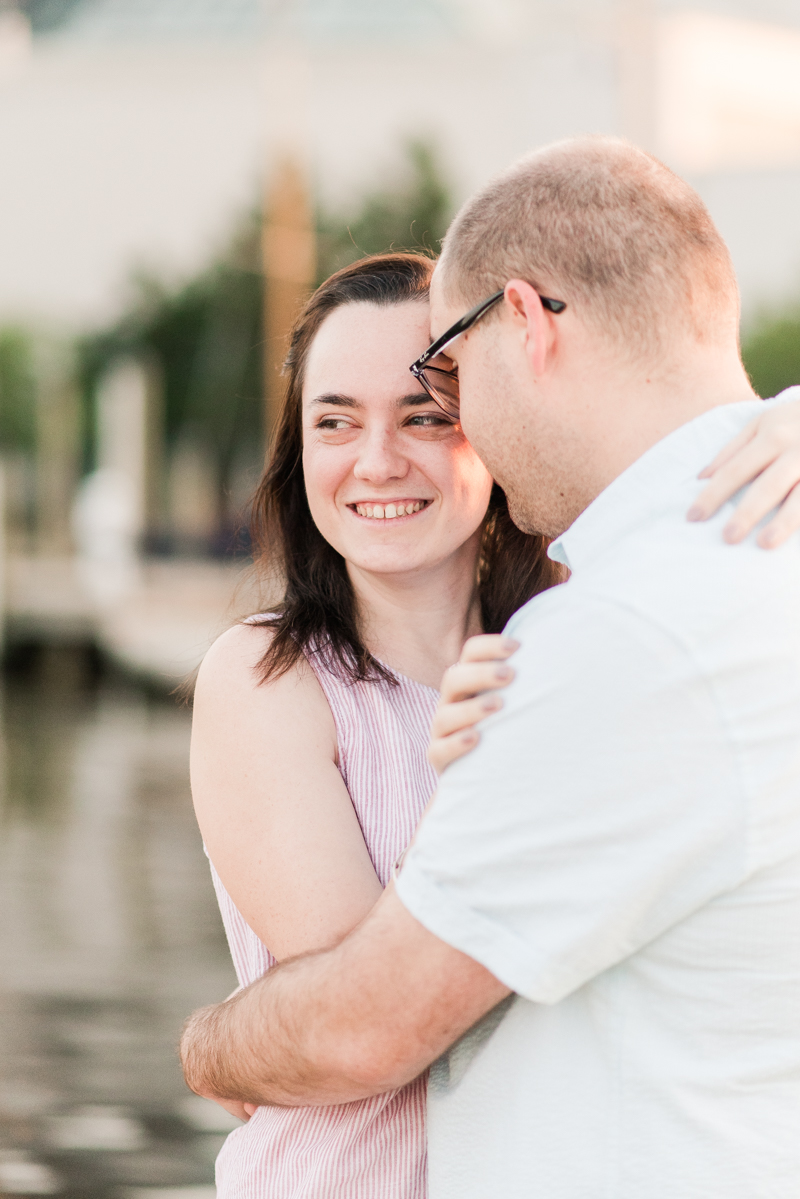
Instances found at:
x=389 y=511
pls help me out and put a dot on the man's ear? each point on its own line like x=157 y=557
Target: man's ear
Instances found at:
x=535 y=324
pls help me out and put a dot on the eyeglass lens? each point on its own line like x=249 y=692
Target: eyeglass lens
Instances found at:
x=442 y=384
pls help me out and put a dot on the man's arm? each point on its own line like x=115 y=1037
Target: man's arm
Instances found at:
x=353 y=1021
x=603 y=805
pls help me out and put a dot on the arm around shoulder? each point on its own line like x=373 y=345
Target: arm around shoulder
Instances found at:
x=358 y=1020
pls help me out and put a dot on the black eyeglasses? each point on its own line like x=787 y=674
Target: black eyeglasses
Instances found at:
x=441 y=382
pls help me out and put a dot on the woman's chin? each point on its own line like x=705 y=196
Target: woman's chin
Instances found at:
x=392 y=560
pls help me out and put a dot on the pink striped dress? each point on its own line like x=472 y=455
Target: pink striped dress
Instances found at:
x=374 y=1148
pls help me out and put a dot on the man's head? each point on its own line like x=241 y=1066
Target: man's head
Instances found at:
x=558 y=403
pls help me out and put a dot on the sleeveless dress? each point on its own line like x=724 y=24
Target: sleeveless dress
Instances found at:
x=373 y=1148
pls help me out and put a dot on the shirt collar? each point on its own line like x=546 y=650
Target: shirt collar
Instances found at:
x=648 y=485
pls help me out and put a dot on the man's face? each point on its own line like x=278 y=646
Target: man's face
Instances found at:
x=504 y=412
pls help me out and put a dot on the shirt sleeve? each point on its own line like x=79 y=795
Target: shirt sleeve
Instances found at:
x=602 y=806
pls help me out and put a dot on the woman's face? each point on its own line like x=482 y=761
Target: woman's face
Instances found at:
x=392 y=483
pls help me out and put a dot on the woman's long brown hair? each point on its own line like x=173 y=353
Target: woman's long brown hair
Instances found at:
x=318 y=610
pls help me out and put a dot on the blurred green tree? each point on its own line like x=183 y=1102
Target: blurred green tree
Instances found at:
x=771 y=353
x=17 y=391
x=413 y=216
x=207 y=335
x=47 y=15
x=206 y=338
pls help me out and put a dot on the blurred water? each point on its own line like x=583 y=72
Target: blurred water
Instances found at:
x=109 y=936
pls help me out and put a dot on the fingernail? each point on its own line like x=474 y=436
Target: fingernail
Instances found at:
x=503 y=672
x=705 y=473
x=695 y=513
x=491 y=703
x=733 y=533
x=510 y=644
x=767 y=538
x=469 y=736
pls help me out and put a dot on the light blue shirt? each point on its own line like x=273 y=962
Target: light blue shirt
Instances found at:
x=623 y=851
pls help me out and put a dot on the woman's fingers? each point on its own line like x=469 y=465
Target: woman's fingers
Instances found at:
x=468 y=696
x=445 y=750
x=488 y=646
x=731 y=449
x=742 y=468
x=452 y=718
x=766 y=454
x=481 y=667
x=466 y=679
x=769 y=490
x=785 y=522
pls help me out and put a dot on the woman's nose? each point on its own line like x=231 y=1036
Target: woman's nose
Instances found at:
x=380 y=459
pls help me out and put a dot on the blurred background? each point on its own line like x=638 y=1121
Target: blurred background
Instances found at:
x=175 y=176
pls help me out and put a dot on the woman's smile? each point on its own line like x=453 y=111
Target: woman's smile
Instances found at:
x=388 y=510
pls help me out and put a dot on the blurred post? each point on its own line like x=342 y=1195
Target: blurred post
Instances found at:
x=289 y=258
x=153 y=467
x=15 y=40
x=638 y=66
x=118 y=505
x=57 y=452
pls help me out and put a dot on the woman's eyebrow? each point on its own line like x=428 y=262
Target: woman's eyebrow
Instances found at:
x=339 y=401
x=413 y=400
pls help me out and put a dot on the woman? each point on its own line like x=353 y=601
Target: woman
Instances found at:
x=309 y=767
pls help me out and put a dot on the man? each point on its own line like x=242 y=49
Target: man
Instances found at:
x=622 y=851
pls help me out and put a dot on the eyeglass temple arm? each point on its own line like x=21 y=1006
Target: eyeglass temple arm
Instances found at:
x=469 y=319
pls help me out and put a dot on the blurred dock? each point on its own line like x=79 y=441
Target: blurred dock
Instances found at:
x=157 y=631
x=110 y=934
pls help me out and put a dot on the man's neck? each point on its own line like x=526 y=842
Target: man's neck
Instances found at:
x=634 y=411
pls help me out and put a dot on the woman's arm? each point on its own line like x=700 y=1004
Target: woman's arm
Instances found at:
x=272 y=807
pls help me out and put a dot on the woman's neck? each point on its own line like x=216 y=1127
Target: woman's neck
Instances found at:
x=417 y=623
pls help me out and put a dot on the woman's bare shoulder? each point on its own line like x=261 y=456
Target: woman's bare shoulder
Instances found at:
x=272 y=806
x=229 y=685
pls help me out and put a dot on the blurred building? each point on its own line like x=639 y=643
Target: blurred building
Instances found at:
x=129 y=135
x=133 y=130
x=136 y=135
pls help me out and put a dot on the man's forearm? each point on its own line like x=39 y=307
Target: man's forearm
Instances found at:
x=354 y=1021
x=257 y=1046
x=216 y=1062
x=311 y=1031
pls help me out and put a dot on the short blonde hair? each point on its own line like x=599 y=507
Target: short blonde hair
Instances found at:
x=606 y=227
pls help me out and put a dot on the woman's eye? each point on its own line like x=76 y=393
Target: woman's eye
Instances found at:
x=428 y=420
x=333 y=423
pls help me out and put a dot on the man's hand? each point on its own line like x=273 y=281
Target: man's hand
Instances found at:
x=357 y=1020
x=242 y=1111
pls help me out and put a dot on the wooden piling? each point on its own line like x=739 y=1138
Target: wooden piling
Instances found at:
x=289 y=260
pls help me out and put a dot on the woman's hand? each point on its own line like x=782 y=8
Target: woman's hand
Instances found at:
x=766 y=454
x=468 y=695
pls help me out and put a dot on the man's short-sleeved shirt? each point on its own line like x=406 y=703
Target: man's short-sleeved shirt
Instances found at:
x=623 y=851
